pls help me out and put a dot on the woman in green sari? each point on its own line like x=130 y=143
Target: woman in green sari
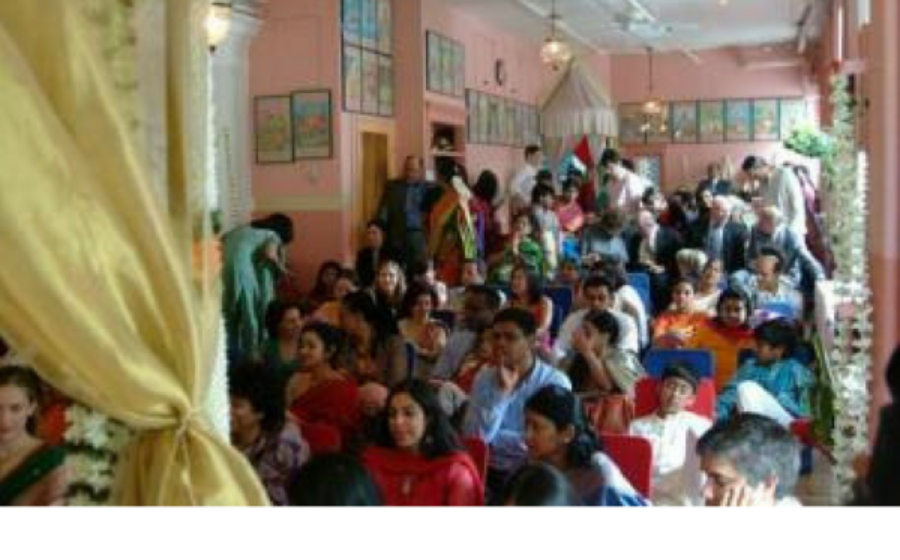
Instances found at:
x=521 y=249
x=253 y=257
x=31 y=472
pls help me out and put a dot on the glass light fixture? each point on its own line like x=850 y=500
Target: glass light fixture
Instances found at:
x=555 y=52
x=652 y=106
x=218 y=23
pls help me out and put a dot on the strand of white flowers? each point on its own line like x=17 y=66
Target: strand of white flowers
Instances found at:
x=89 y=429
x=850 y=355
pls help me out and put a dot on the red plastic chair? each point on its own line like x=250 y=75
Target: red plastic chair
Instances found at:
x=646 y=398
x=634 y=457
x=322 y=438
x=479 y=452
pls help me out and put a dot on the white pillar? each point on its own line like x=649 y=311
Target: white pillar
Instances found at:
x=233 y=133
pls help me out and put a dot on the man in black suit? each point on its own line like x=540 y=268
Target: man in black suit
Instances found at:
x=404 y=208
x=720 y=237
x=652 y=250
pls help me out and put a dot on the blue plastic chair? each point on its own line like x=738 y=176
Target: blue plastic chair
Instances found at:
x=562 y=298
x=780 y=308
x=701 y=362
x=640 y=281
x=410 y=360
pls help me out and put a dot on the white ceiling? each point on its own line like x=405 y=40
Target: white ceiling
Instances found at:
x=666 y=25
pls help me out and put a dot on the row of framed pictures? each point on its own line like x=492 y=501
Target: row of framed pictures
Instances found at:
x=368 y=82
x=445 y=67
x=368 y=64
x=368 y=24
x=732 y=120
x=293 y=127
x=500 y=121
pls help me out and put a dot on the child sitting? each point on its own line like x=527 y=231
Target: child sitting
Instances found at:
x=571 y=219
x=522 y=248
x=771 y=384
x=673 y=432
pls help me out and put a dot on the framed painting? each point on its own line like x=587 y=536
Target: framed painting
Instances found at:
x=272 y=127
x=483 y=118
x=685 y=126
x=493 y=120
x=470 y=117
x=368 y=29
x=738 y=120
x=511 y=112
x=352 y=78
x=459 y=70
x=311 y=118
x=712 y=121
x=765 y=120
x=792 y=113
x=448 y=66
x=433 y=61
x=385 y=27
x=385 y=86
x=631 y=123
x=370 y=84
x=351 y=16
x=501 y=121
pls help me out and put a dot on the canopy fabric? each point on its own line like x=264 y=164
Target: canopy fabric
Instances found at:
x=578 y=106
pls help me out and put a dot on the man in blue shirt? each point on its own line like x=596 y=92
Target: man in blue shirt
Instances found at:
x=496 y=411
x=769 y=384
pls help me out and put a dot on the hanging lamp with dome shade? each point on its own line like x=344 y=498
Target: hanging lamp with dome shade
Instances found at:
x=556 y=53
x=653 y=108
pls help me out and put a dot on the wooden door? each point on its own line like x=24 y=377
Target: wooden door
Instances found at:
x=374 y=177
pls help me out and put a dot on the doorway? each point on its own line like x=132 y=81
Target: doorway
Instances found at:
x=374 y=177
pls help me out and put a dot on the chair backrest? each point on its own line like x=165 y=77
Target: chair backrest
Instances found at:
x=701 y=362
x=562 y=298
x=322 y=438
x=634 y=457
x=479 y=452
x=781 y=308
x=640 y=281
x=646 y=398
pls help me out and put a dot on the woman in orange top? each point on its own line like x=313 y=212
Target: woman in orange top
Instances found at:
x=678 y=324
x=527 y=292
x=726 y=334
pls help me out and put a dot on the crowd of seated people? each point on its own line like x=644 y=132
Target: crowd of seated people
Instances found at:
x=408 y=371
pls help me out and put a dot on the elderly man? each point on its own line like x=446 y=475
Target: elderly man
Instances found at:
x=769 y=231
x=404 y=208
x=749 y=460
x=779 y=187
x=720 y=237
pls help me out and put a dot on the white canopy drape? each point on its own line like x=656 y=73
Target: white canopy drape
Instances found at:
x=578 y=106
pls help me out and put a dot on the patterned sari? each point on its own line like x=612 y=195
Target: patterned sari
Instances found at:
x=451 y=237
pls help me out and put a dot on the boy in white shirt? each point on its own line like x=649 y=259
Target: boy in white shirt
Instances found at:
x=673 y=431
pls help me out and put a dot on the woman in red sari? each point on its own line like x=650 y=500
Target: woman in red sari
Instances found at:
x=320 y=396
x=420 y=461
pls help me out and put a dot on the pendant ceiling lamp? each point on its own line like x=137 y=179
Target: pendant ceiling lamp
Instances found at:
x=556 y=53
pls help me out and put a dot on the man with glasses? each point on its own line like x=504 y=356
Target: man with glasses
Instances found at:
x=496 y=410
x=750 y=460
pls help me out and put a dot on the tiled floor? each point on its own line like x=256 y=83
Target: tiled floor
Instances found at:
x=816 y=489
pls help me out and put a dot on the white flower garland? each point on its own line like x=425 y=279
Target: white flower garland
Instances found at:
x=850 y=360
x=94 y=442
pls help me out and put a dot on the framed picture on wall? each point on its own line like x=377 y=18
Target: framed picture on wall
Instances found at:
x=272 y=127
x=370 y=85
x=448 y=66
x=352 y=78
x=792 y=113
x=351 y=18
x=433 y=61
x=385 y=27
x=385 y=86
x=311 y=118
x=738 y=120
x=685 y=125
x=459 y=70
x=369 y=24
x=712 y=121
x=766 y=120
x=483 y=118
x=631 y=123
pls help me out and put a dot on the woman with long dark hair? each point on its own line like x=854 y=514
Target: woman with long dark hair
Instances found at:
x=419 y=460
x=326 y=279
x=376 y=351
x=557 y=433
x=280 y=350
x=32 y=473
x=527 y=292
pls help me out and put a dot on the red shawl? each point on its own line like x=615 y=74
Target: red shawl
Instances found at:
x=331 y=403
x=411 y=480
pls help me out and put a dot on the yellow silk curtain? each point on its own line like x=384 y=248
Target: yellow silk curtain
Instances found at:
x=97 y=286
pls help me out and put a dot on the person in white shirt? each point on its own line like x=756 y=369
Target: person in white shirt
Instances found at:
x=625 y=188
x=750 y=460
x=780 y=188
x=673 y=431
x=597 y=294
x=519 y=195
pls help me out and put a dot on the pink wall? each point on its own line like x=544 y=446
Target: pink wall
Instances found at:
x=720 y=76
x=297 y=48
